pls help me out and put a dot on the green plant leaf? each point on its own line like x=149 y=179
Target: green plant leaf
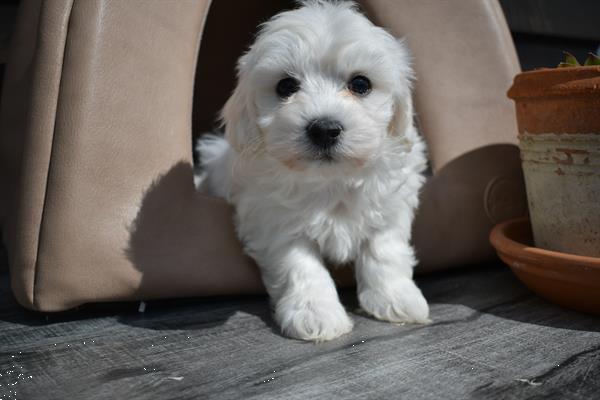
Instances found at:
x=592 y=59
x=570 y=60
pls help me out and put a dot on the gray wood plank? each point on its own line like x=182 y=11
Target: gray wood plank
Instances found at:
x=490 y=339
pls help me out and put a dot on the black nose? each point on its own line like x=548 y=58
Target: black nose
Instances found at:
x=324 y=133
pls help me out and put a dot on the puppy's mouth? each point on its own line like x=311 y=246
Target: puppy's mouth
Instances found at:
x=325 y=162
x=327 y=158
x=324 y=156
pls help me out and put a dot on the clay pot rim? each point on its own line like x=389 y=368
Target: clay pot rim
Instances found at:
x=556 y=82
x=501 y=239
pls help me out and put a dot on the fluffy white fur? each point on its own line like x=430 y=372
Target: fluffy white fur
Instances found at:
x=296 y=211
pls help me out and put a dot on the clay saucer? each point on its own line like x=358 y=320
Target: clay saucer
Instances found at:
x=566 y=279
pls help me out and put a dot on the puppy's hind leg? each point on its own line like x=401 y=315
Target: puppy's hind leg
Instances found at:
x=303 y=293
x=384 y=280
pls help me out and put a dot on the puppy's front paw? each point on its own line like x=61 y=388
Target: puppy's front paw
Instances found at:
x=397 y=301
x=312 y=319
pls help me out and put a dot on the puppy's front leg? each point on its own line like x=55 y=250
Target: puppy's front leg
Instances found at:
x=304 y=295
x=384 y=280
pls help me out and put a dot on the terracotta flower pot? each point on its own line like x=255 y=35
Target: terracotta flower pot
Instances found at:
x=558 y=113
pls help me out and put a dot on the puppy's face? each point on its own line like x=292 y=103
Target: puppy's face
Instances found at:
x=321 y=89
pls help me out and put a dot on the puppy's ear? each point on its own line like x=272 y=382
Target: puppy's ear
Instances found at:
x=239 y=115
x=403 y=119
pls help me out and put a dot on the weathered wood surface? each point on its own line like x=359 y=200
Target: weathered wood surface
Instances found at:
x=490 y=339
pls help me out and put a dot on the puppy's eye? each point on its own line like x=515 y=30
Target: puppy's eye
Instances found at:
x=360 y=85
x=287 y=87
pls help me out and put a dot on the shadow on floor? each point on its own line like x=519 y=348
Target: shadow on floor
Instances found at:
x=489 y=290
x=495 y=290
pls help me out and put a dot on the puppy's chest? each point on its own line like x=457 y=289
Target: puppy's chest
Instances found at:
x=342 y=226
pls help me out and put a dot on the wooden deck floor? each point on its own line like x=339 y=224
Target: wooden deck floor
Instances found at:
x=490 y=339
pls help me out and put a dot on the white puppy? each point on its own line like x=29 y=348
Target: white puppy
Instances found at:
x=323 y=164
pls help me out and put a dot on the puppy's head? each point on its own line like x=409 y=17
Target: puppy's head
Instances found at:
x=320 y=89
